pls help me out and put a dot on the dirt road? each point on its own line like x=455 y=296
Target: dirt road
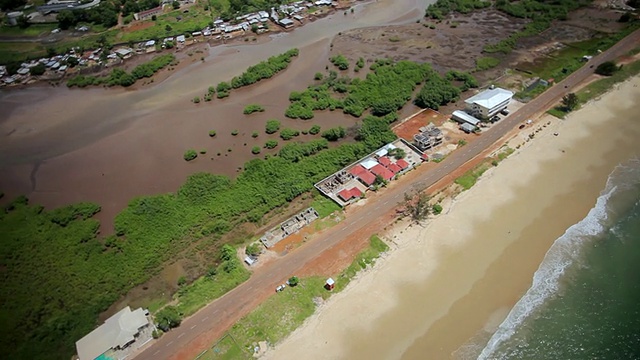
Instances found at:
x=199 y=331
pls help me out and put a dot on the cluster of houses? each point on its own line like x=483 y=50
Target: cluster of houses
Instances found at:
x=352 y=182
x=55 y=66
x=58 y=65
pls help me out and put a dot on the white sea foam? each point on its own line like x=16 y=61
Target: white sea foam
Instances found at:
x=622 y=182
x=562 y=253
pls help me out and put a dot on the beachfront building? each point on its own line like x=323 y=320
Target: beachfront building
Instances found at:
x=488 y=103
x=126 y=330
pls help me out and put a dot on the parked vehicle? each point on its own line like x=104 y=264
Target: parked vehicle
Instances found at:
x=280 y=287
x=504 y=112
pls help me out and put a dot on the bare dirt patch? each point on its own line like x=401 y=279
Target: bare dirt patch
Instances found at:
x=453 y=44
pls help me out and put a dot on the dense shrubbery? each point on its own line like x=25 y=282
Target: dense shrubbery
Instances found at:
x=119 y=77
x=442 y=8
x=253 y=74
x=270 y=144
x=272 y=126
x=468 y=81
x=251 y=108
x=315 y=129
x=288 y=134
x=298 y=151
x=190 y=155
x=436 y=92
x=607 y=68
x=334 y=134
x=486 y=62
x=386 y=89
x=340 y=62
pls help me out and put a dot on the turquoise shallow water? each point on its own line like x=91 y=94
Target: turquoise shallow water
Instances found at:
x=585 y=299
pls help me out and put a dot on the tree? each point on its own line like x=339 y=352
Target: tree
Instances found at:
x=254 y=28
x=570 y=101
x=334 y=134
x=293 y=281
x=253 y=249
x=418 y=208
x=176 y=5
x=397 y=153
x=607 y=68
x=23 y=22
x=315 y=129
x=270 y=144
x=190 y=155
x=168 y=318
x=227 y=252
x=38 y=69
x=272 y=126
x=255 y=150
x=11 y=4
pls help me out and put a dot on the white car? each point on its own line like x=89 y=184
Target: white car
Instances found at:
x=280 y=287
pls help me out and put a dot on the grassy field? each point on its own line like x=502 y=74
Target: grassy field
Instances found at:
x=282 y=313
x=470 y=177
x=599 y=87
x=324 y=206
x=196 y=295
x=32 y=31
x=18 y=51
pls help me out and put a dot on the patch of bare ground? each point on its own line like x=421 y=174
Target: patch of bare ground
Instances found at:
x=453 y=44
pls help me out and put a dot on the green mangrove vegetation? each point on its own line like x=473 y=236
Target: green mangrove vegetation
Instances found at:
x=119 y=77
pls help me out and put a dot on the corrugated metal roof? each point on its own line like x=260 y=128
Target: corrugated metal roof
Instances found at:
x=463 y=116
x=490 y=98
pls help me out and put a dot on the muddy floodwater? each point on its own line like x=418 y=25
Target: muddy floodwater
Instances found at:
x=60 y=145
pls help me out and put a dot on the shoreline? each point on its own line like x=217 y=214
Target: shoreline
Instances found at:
x=440 y=330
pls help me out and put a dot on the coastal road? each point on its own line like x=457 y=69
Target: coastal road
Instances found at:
x=192 y=336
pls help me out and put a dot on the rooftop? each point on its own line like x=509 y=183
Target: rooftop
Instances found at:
x=463 y=116
x=490 y=98
x=382 y=171
x=117 y=331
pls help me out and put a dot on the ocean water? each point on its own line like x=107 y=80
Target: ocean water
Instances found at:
x=584 y=302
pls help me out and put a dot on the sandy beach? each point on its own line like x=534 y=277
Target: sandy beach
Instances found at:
x=446 y=286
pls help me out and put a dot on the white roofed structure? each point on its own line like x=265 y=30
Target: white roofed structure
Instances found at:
x=117 y=332
x=488 y=102
x=463 y=117
x=369 y=163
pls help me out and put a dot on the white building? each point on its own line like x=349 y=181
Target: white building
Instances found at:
x=118 y=332
x=488 y=103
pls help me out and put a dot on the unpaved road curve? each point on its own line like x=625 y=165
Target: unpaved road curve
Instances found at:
x=195 y=334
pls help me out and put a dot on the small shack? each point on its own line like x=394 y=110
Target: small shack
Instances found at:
x=330 y=284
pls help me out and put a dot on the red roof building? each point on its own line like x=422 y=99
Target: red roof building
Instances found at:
x=357 y=170
x=394 y=168
x=382 y=171
x=402 y=163
x=363 y=174
x=347 y=195
x=384 y=161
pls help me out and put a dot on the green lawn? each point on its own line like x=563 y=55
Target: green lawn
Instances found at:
x=470 y=177
x=324 y=206
x=19 y=51
x=194 y=296
x=32 y=31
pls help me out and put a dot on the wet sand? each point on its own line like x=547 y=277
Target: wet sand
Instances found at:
x=445 y=287
x=60 y=146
